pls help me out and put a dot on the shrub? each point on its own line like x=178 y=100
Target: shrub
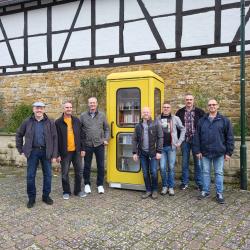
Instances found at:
x=20 y=112
x=90 y=86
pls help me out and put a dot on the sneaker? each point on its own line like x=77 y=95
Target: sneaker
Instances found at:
x=203 y=195
x=87 y=189
x=164 y=190
x=219 y=198
x=65 y=196
x=171 y=192
x=82 y=194
x=47 y=200
x=146 y=195
x=183 y=186
x=100 y=189
x=31 y=203
x=154 y=195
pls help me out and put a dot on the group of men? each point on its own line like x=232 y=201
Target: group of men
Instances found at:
x=66 y=141
x=208 y=136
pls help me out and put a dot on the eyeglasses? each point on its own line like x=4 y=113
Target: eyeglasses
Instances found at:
x=212 y=104
x=166 y=107
x=189 y=99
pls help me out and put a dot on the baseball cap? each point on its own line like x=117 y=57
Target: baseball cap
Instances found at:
x=38 y=104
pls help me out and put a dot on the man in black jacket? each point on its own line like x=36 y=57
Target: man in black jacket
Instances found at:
x=40 y=145
x=213 y=144
x=190 y=116
x=70 y=149
x=147 y=145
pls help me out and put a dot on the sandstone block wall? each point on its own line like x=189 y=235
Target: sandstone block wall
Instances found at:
x=214 y=77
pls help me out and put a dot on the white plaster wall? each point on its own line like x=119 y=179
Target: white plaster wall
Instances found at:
x=84 y=18
x=63 y=15
x=159 y=7
x=13 y=24
x=17 y=48
x=197 y=4
x=166 y=27
x=79 y=45
x=107 y=11
x=37 y=21
x=5 y=58
x=138 y=37
x=198 y=29
x=109 y=37
x=37 y=49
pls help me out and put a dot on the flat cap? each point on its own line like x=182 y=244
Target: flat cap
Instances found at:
x=38 y=104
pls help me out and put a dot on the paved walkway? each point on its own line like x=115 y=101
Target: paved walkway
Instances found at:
x=120 y=219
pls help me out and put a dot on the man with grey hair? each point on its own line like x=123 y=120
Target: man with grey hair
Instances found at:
x=40 y=144
x=70 y=149
x=95 y=135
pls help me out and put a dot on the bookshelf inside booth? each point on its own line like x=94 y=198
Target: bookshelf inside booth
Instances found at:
x=128 y=107
x=125 y=160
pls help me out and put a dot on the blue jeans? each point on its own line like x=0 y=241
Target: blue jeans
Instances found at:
x=218 y=163
x=99 y=155
x=32 y=162
x=168 y=157
x=149 y=169
x=186 y=147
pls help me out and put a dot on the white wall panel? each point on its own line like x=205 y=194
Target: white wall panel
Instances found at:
x=166 y=28
x=5 y=58
x=13 y=24
x=58 y=41
x=107 y=11
x=197 y=4
x=37 y=49
x=79 y=45
x=107 y=41
x=84 y=18
x=1 y=35
x=63 y=15
x=247 y=28
x=229 y=1
x=138 y=37
x=159 y=7
x=132 y=10
x=37 y=21
x=17 y=48
x=230 y=22
x=198 y=29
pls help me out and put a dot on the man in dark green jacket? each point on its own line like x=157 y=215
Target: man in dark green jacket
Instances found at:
x=40 y=145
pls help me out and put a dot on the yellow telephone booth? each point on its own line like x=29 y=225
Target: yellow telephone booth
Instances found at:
x=127 y=93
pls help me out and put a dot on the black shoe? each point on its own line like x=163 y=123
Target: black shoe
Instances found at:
x=30 y=203
x=220 y=199
x=203 y=195
x=47 y=200
x=183 y=186
x=199 y=188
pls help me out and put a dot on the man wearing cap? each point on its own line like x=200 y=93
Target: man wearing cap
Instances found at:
x=40 y=145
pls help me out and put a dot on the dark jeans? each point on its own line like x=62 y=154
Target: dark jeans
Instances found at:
x=33 y=160
x=149 y=169
x=99 y=155
x=75 y=158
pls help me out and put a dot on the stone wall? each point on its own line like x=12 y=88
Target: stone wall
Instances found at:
x=214 y=77
x=10 y=157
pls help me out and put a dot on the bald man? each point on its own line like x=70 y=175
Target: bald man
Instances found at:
x=147 y=146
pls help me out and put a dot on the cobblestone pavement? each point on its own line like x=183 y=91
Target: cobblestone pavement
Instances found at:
x=120 y=219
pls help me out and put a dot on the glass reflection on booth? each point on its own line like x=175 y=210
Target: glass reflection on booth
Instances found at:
x=128 y=107
x=125 y=154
